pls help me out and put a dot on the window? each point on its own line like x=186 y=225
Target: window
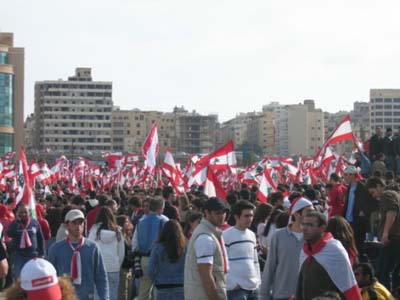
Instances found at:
x=388 y=106
x=387 y=100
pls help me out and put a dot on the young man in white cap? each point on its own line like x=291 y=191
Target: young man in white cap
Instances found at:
x=279 y=279
x=81 y=259
x=39 y=281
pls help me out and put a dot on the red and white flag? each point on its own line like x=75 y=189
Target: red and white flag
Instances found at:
x=213 y=187
x=333 y=257
x=25 y=195
x=151 y=147
x=267 y=186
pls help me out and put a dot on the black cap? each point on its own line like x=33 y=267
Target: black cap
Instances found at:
x=215 y=204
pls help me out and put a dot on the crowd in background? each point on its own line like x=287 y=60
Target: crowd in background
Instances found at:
x=144 y=243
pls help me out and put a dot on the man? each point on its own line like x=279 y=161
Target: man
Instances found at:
x=206 y=263
x=387 y=149
x=146 y=234
x=375 y=144
x=279 y=278
x=369 y=285
x=358 y=205
x=336 y=196
x=170 y=210
x=81 y=259
x=324 y=263
x=243 y=278
x=389 y=231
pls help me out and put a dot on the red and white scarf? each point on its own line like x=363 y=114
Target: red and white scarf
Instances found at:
x=25 y=241
x=333 y=257
x=76 y=264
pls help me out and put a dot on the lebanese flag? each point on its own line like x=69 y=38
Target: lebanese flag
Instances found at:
x=114 y=160
x=170 y=169
x=266 y=187
x=333 y=257
x=341 y=133
x=151 y=147
x=25 y=195
x=213 y=187
x=221 y=159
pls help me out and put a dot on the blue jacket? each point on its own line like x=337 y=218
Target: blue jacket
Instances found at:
x=35 y=235
x=93 y=271
x=148 y=229
x=161 y=270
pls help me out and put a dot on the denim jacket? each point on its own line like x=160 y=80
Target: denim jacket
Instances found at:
x=161 y=270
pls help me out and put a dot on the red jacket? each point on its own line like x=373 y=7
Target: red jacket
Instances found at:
x=91 y=217
x=336 y=199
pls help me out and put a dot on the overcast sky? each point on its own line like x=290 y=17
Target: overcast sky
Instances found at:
x=212 y=56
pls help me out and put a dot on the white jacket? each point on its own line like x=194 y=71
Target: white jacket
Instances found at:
x=112 y=250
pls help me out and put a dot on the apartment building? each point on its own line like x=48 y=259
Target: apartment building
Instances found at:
x=12 y=60
x=73 y=116
x=306 y=129
x=384 y=108
x=183 y=131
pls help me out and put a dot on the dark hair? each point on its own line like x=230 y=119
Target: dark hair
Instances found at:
x=273 y=198
x=107 y=221
x=272 y=219
x=167 y=191
x=171 y=236
x=240 y=206
x=78 y=200
x=282 y=220
x=373 y=183
x=318 y=215
x=135 y=201
x=64 y=212
x=389 y=175
x=231 y=198
x=342 y=231
x=335 y=177
x=198 y=203
x=263 y=211
x=367 y=269
x=191 y=217
x=244 y=194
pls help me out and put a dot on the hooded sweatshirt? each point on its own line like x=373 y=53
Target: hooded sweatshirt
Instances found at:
x=112 y=247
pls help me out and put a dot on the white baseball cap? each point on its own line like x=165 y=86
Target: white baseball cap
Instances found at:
x=39 y=280
x=73 y=215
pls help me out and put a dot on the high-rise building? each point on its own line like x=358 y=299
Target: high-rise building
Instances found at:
x=29 y=132
x=306 y=129
x=73 y=116
x=11 y=94
x=261 y=132
x=384 y=107
x=280 y=113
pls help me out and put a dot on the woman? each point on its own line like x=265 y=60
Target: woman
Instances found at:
x=167 y=262
x=192 y=220
x=125 y=288
x=27 y=239
x=107 y=234
x=342 y=231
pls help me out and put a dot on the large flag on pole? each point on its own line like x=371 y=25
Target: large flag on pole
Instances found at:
x=267 y=186
x=151 y=147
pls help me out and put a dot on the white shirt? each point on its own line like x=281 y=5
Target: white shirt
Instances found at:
x=244 y=270
x=204 y=246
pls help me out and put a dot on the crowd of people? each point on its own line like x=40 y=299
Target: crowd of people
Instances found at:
x=335 y=240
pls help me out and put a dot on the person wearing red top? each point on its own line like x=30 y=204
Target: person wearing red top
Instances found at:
x=336 y=196
x=92 y=215
x=44 y=225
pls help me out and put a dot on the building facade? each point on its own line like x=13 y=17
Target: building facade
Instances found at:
x=11 y=94
x=183 y=131
x=280 y=115
x=360 y=120
x=384 y=108
x=306 y=129
x=73 y=116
